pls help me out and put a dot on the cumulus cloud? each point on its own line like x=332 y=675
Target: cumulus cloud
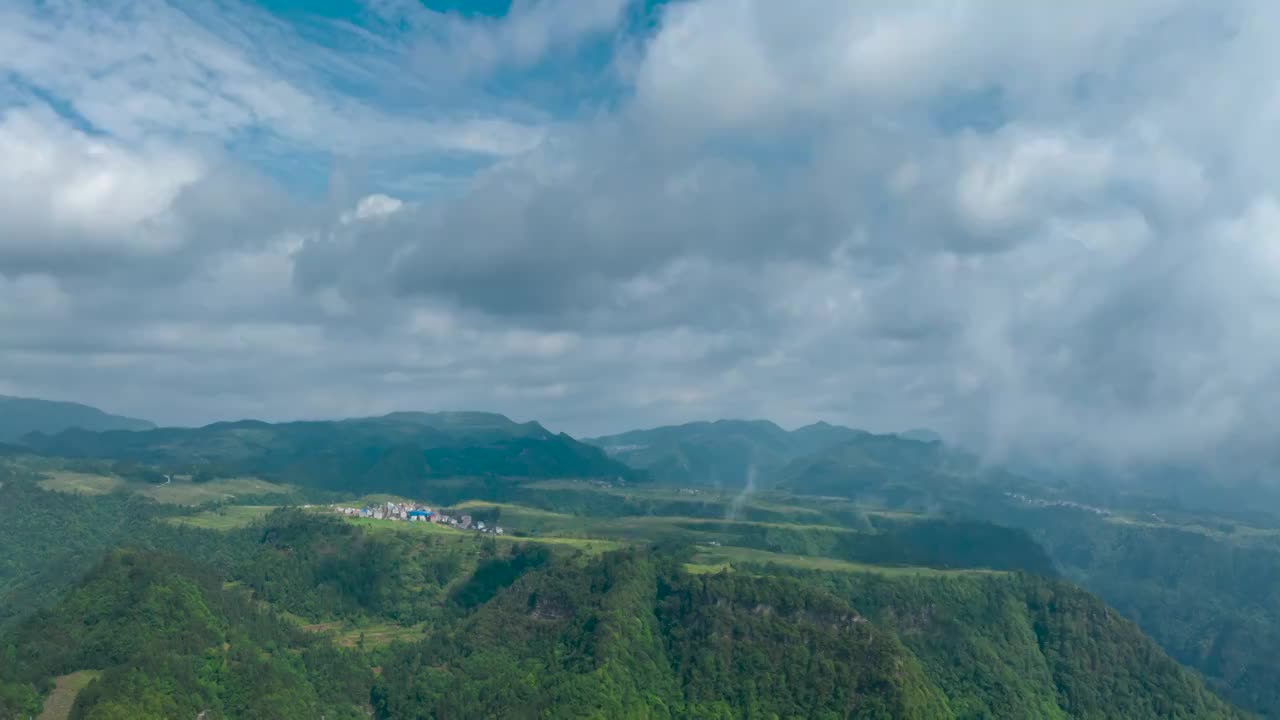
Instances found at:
x=67 y=191
x=1034 y=228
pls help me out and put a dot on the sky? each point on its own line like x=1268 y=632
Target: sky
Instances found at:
x=1024 y=225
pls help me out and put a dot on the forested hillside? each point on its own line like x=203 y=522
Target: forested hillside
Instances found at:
x=626 y=637
x=520 y=631
x=51 y=539
x=398 y=453
x=171 y=642
x=1210 y=597
x=943 y=561
x=726 y=453
x=1205 y=587
x=898 y=472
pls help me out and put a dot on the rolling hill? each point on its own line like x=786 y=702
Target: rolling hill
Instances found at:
x=1204 y=585
x=517 y=631
x=949 y=530
x=397 y=453
x=897 y=472
x=723 y=454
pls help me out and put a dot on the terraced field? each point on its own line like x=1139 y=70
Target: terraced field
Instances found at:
x=185 y=492
x=728 y=559
x=228 y=517
x=81 y=483
x=369 y=636
x=180 y=491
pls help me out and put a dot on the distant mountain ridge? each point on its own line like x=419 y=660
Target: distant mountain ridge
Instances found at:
x=733 y=453
x=899 y=472
x=20 y=415
x=395 y=453
x=910 y=470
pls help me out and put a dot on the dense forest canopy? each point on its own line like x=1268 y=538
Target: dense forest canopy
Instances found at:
x=517 y=631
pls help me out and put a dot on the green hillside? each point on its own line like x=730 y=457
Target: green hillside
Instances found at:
x=1021 y=646
x=725 y=453
x=817 y=459
x=19 y=416
x=869 y=508
x=248 y=624
x=51 y=539
x=170 y=641
x=1207 y=590
x=1205 y=587
x=398 y=453
x=896 y=471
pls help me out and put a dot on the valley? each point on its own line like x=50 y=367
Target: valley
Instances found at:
x=941 y=560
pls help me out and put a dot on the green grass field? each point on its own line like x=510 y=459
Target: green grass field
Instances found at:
x=719 y=559
x=181 y=491
x=767 y=505
x=628 y=527
x=522 y=510
x=1220 y=531
x=228 y=517
x=586 y=544
x=368 y=636
x=58 y=705
x=185 y=492
x=81 y=483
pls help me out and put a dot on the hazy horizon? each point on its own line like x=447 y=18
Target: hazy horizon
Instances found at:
x=622 y=426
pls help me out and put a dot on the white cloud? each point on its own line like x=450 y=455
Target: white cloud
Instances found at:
x=735 y=64
x=62 y=189
x=525 y=35
x=1023 y=175
x=373 y=206
x=183 y=72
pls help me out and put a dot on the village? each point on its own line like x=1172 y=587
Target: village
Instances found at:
x=1037 y=502
x=413 y=512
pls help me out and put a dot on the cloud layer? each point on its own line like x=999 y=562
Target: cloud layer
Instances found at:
x=1029 y=227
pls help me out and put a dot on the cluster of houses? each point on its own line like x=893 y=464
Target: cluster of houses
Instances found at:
x=411 y=512
x=1037 y=502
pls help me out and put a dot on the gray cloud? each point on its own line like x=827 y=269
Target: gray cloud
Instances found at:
x=1029 y=227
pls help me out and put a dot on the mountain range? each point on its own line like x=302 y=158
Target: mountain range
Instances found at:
x=395 y=453
x=1204 y=586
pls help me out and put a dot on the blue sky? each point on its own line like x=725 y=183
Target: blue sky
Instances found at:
x=435 y=88
x=1026 y=225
